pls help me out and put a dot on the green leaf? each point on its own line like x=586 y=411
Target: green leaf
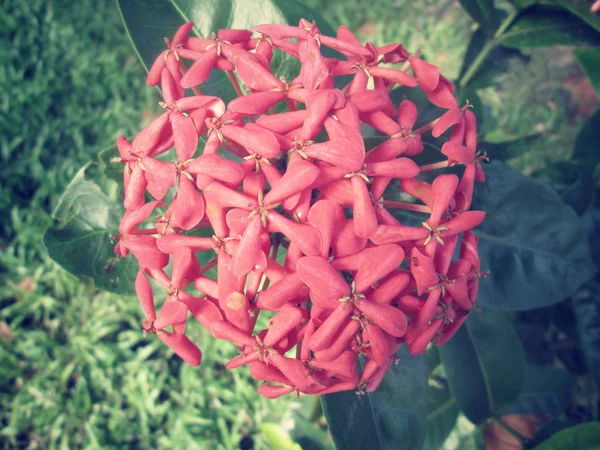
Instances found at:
x=589 y=60
x=433 y=358
x=476 y=45
x=522 y=3
x=586 y=144
x=277 y=437
x=87 y=215
x=442 y=415
x=585 y=436
x=485 y=365
x=546 y=391
x=580 y=195
x=542 y=26
x=148 y=21
x=494 y=64
x=504 y=149
x=482 y=12
x=547 y=430
x=581 y=9
x=392 y=417
x=586 y=304
x=532 y=244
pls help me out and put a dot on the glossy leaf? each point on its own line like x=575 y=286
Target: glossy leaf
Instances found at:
x=530 y=242
x=495 y=64
x=441 y=417
x=585 y=436
x=522 y=3
x=546 y=391
x=433 y=358
x=148 y=21
x=586 y=144
x=586 y=304
x=581 y=9
x=485 y=365
x=541 y=26
x=547 y=430
x=80 y=241
x=392 y=417
x=482 y=12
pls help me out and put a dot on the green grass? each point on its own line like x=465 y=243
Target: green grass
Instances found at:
x=75 y=369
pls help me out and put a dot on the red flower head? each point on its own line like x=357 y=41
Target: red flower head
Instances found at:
x=298 y=215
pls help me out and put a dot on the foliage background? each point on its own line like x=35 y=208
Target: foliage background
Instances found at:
x=75 y=371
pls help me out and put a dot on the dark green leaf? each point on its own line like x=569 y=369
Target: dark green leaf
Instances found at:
x=586 y=148
x=507 y=149
x=560 y=175
x=522 y=3
x=372 y=142
x=494 y=64
x=546 y=391
x=532 y=244
x=580 y=194
x=591 y=222
x=547 y=430
x=86 y=218
x=542 y=26
x=433 y=358
x=586 y=303
x=589 y=60
x=581 y=9
x=392 y=417
x=442 y=415
x=149 y=21
x=482 y=12
x=581 y=437
x=476 y=44
x=485 y=365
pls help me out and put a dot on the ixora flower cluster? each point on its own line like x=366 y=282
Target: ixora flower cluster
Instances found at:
x=300 y=188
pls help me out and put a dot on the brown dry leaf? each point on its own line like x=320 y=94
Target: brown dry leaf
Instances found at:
x=6 y=334
x=26 y=284
x=583 y=93
x=496 y=438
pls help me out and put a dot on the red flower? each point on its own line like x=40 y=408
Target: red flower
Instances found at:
x=354 y=281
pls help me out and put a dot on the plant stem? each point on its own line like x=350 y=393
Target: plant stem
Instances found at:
x=434 y=166
x=234 y=82
x=514 y=433
x=426 y=127
x=487 y=49
x=317 y=410
x=209 y=265
x=407 y=206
